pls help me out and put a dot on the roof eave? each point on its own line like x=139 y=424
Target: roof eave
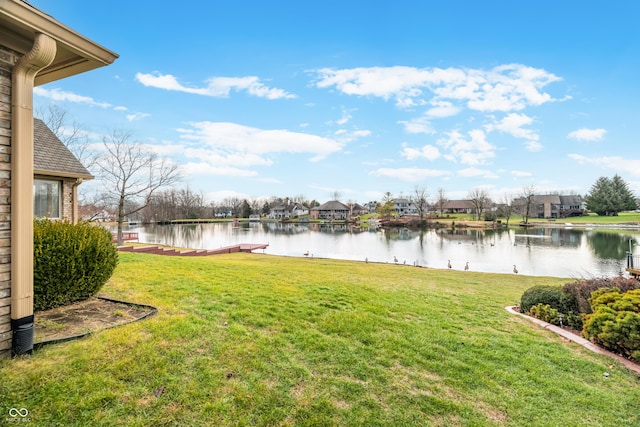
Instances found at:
x=75 y=53
x=58 y=174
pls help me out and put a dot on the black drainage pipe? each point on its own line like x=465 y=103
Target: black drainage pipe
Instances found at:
x=22 y=340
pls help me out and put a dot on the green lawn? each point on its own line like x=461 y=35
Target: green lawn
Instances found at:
x=258 y=340
x=621 y=218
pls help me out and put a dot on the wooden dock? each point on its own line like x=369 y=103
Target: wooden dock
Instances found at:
x=127 y=236
x=159 y=250
x=633 y=265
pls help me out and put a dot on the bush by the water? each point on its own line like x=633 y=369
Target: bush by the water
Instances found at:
x=545 y=313
x=572 y=300
x=582 y=289
x=615 y=321
x=550 y=295
x=71 y=261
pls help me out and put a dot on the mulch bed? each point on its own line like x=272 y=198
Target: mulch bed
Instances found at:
x=85 y=317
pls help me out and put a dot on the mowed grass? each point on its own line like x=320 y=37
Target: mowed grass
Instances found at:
x=621 y=218
x=258 y=340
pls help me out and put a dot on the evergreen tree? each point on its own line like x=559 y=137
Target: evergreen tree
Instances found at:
x=610 y=196
x=625 y=200
x=387 y=208
x=246 y=210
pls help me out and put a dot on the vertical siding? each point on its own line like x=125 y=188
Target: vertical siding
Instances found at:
x=7 y=61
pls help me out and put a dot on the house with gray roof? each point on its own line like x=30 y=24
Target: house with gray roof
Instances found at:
x=458 y=207
x=288 y=210
x=552 y=206
x=56 y=176
x=332 y=210
x=404 y=206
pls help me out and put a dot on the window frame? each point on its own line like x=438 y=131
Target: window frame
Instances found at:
x=48 y=181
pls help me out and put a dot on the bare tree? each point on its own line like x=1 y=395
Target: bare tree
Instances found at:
x=131 y=175
x=420 y=198
x=507 y=207
x=526 y=202
x=70 y=133
x=479 y=197
x=336 y=195
x=256 y=204
x=442 y=199
x=234 y=203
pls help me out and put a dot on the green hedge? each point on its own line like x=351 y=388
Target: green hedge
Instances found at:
x=552 y=298
x=615 y=321
x=71 y=261
x=546 y=295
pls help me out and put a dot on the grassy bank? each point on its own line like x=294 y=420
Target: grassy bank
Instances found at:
x=248 y=339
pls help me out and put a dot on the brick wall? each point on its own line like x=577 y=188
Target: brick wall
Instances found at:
x=7 y=61
x=67 y=200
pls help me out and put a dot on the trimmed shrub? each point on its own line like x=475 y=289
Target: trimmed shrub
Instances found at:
x=572 y=320
x=550 y=295
x=581 y=290
x=615 y=321
x=71 y=262
x=545 y=313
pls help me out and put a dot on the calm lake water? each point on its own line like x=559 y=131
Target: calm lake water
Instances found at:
x=558 y=252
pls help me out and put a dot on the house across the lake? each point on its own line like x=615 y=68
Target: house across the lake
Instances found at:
x=458 y=207
x=552 y=206
x=332 y=210
x=404 y=207
x=288 y=210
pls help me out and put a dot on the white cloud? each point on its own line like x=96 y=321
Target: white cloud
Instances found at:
x=344 y=136
x=232 y=148
x=208 y=169
x=512 y=124
x=346 y=116
x=220 y=196
x=475 y=172
x=409 y=174
x=417 y=125
x=521 y=174
x=219 y=87
x=270 y=180
x=509 y=87
x=533 y=146
x=442 y=109
x=428 y=152
x=474 y=150
x=616 y=163
x=401 y=83
x=585 y=134
x=137 y=116
x=60 y=95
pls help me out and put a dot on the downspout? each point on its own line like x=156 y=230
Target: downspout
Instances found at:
x=41 y=55
x=74 y=200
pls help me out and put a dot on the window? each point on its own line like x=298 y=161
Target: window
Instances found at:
x=46 y=198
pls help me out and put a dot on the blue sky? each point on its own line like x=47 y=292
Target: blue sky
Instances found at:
x=286 y=98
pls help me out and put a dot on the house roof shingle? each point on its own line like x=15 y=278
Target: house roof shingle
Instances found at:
x=52 y=157
x=458 y=204
x=332 y=205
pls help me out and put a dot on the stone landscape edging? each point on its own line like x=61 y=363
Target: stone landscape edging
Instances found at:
x=571 y=337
